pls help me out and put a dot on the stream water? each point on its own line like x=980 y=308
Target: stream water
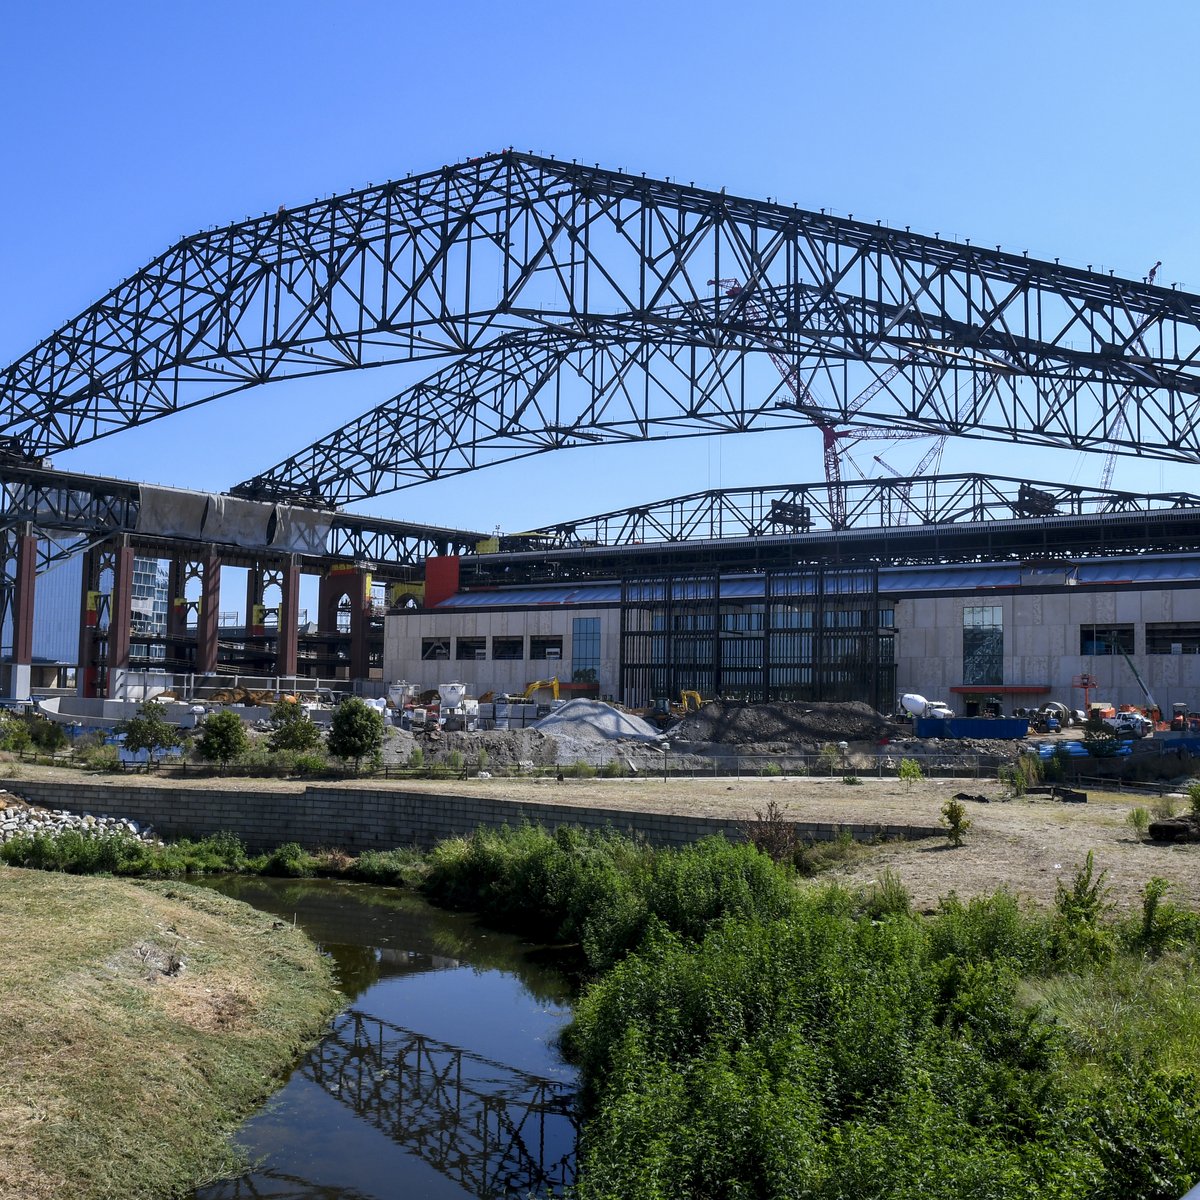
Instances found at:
x=441 y=1077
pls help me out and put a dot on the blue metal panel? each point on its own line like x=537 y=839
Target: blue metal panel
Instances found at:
x=1005 y=728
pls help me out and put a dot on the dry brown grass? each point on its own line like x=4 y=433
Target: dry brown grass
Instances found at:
x=124 y=1072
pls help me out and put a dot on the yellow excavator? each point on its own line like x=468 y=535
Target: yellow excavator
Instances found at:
x=538 y=684
x=663 y=713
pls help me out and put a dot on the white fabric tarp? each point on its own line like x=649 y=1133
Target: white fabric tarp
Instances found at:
x=301 y=530
x=171 y=512
x=237 y=522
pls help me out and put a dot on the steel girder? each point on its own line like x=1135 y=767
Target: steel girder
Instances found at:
x=869 y=504
x=445 y=263
x=70 y=511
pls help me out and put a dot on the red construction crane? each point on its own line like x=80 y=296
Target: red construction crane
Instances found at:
x=933 y=454
x=832 y=436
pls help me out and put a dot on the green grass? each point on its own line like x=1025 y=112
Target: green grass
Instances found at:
x=122 y=1080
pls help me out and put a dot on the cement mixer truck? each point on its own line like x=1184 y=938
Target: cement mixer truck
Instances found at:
x=918 y=706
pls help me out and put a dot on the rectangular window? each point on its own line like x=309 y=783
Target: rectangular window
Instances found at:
x=1172 y=639
x=983 y=644
x=1105 y=639
x=508 y=648
x=433 y=648
x=470 y=647
x=585 y=649
x=545 y=648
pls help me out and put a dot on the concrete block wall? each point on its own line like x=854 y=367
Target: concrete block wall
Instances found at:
x=358 y=819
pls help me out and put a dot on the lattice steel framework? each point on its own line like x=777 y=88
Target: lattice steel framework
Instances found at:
x=488 y=1127
x=574 y=305
x=869 y=503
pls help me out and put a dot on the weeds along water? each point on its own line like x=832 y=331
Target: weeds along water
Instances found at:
x=743 y=1031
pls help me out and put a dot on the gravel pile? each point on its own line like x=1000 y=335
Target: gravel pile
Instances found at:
x=18 y=819
x=797 y=724
x=595 y=721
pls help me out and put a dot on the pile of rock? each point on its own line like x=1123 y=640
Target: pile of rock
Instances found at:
x=17 y=819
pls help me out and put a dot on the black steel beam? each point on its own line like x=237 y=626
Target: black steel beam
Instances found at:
x=445 y=263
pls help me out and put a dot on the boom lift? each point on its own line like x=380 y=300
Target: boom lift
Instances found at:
x=1153 y=711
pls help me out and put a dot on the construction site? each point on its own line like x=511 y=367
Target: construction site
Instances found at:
x=1000 y=599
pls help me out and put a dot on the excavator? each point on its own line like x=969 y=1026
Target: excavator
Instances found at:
x=538 y=684
x=662 y=713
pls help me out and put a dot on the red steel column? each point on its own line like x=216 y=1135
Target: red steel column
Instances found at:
x=22 y=618
x=288 y=646
x=120 y=615
x=208 y=623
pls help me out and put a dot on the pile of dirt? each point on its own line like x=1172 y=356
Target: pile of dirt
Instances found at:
x=593 y=720
x=800 y=723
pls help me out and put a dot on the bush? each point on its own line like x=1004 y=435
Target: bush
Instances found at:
x=1138 y=819
x=1193 y=793
x=910 y=771
x=613 y=769
x=954 y=818
x=771 y=769
x=292 y=728
x=455 y=761
x=392 y=868
x=416 y=758
x=580 y=770
x=829 y=758
x=356 y=731
x=46 y=735
x=222 y=738
x=1164 y=808
x=311 y=763
x=852 y=780
x=150 y=731
x=289 y=860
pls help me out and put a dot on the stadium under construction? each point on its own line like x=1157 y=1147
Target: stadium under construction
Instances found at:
x=629 y=309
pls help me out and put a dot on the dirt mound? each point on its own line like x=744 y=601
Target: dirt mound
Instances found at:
x=793 y=723
x=593 y=720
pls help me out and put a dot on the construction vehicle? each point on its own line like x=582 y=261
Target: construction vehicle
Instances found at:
x=691 y=701
x=1179 y=716
x=537 y=685
x=917 y=706
x=1152 y=710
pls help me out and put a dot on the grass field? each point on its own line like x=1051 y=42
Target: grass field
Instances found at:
x=141 y=1021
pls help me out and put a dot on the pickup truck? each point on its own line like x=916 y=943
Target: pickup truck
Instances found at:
x=1133 y=723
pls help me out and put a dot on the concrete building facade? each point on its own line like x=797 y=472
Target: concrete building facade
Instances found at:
x=1010 y=634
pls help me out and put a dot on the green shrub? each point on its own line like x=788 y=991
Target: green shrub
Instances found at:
x=829 y=758
x=910 y=771
x=356 y=731
x=1164 y=808
x=1193 y=794
x=1138 y=819
x=580 y=770
x=313 y=762
x=483 y=758
x=416 y=758
x=1081 y=935
x=771 y=769
x=852 y=780
x=289 y=860
x=887 y=897
x=455 y=760
x=393 y=868
x=954 y=818
x=222 y=738
x=292 y=728
x=613 y=769
x=149 y=730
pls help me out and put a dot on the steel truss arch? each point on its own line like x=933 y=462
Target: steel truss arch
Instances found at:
x=447 y=263
x=883 y=503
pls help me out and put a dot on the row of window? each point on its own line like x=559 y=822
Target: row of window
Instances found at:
x=1163 y=637
x=502 y=648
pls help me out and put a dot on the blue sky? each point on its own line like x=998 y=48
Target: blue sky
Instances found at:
x=1061 y=128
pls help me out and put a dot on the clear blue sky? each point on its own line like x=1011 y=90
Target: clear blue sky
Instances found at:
x=1061 y=128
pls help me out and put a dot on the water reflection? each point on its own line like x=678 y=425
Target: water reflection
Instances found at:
x=442 y=1077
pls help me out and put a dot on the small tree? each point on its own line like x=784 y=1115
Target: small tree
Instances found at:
x=910 y=771
x=150 y=731
x=292 y=728
x=1194 y=797
x=356 y=731
x=954 y=818
x=222 y=738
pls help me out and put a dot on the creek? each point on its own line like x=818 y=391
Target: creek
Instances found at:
x=441 y=1078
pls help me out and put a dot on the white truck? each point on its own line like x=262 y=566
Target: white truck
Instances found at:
x=918 y=706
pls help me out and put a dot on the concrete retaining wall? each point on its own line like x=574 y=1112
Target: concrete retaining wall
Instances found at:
x=357 y=819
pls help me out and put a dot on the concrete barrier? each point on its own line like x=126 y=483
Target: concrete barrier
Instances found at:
x=356 y=819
